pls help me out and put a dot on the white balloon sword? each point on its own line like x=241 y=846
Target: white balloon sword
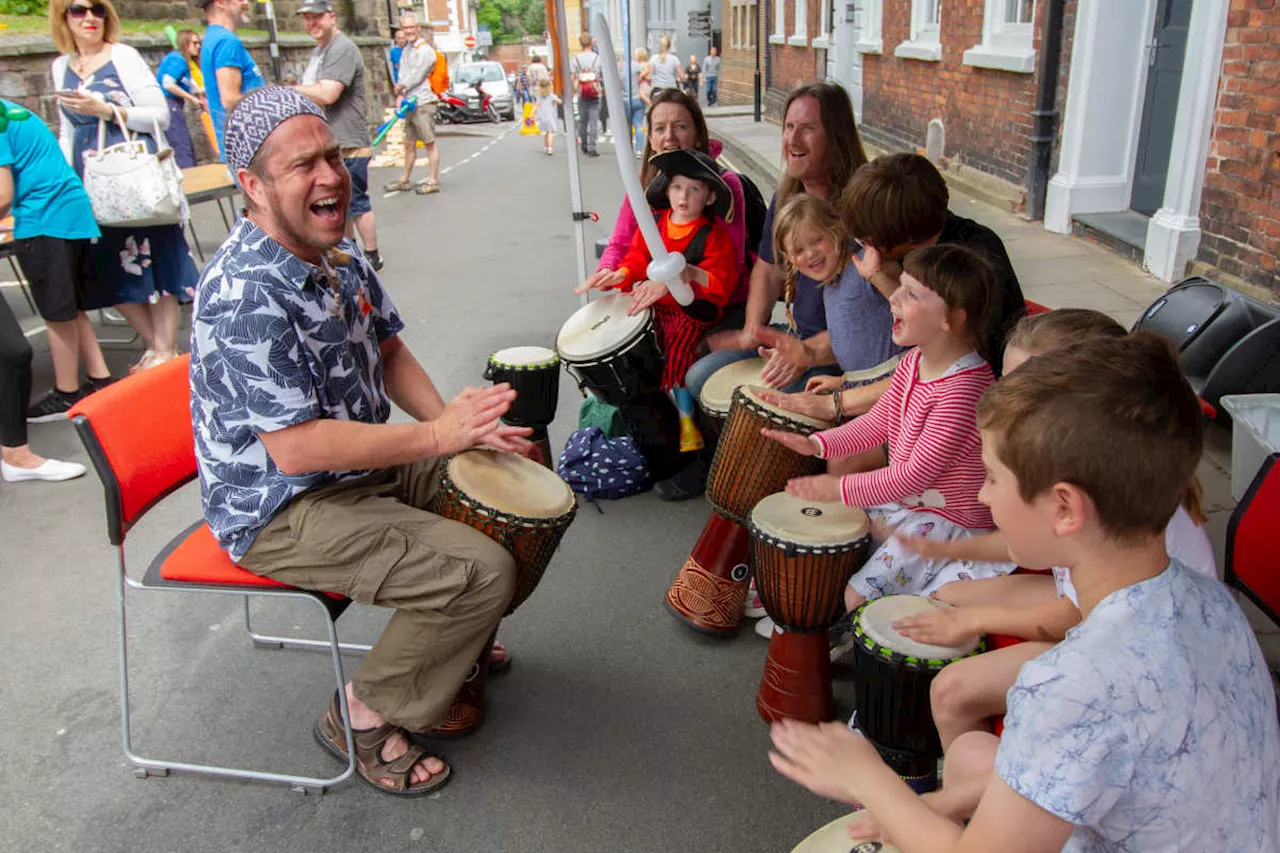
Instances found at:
x=666 y=266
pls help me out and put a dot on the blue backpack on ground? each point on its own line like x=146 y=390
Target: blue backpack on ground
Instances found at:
x=596 y=466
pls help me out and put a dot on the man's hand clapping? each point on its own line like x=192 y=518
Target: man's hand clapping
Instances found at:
x=788 y=357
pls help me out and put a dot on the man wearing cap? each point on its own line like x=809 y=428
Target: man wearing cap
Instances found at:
x=296 y=355
x=334 y=79
x=229 y=71
x=416 y=64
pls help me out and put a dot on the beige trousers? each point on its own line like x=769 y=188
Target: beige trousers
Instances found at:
x=372 y=541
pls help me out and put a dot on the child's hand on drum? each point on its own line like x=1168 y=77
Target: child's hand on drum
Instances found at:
x=472 y=418
x=828 y=759
x=802 y=444
x=930 y=549
x=946 y=626
x=818 y=406
x=865 y=827
x=824 y=488
x=823 y=384
x=645 y=294
x=788 y=357
x=601 y=279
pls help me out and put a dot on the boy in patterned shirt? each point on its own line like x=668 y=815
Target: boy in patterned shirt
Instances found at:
x=1152 y=726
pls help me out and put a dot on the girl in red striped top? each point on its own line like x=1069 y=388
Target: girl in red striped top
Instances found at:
x=928 y=417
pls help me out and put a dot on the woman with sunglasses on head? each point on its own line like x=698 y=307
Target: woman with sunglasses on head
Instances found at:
x=144 y=272
x=174 y=74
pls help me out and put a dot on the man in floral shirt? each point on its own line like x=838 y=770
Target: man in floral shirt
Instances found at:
x=295 y=357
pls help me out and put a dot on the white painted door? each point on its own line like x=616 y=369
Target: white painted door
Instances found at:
x=844 y=63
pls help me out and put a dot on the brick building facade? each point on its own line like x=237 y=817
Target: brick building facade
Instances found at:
x=1167 y=139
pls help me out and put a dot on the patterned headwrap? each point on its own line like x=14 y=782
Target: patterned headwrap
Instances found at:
x=253 y=119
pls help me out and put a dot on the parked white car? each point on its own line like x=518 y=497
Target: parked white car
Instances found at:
x=494 y=79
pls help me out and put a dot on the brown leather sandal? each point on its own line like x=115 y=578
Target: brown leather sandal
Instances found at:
x=369 y=762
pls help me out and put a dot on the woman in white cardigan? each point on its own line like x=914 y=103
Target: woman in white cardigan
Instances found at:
x=144 y=272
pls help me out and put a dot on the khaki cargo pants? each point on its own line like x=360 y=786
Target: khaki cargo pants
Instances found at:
x=370 y=540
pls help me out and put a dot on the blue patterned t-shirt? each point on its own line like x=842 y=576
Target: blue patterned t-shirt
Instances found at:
x=271 y=347
x=1152 y=726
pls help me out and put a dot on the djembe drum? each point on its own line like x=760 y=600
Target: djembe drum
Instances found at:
x=717 y=391
x=524 y=508
x=614 y=356
x=534 y=373
x=834 y=838
x=707 y=593
x=893 y=674
x=805 y=552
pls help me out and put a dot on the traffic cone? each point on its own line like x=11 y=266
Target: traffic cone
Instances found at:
x=528 y=125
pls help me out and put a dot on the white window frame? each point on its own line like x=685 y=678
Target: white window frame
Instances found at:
x=925 y=43
x=800 y=25
x=822 y=41
x=1006 y=47
x=870 y=38
x=779 y=33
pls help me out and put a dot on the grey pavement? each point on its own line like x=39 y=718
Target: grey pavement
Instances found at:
x=616 y=729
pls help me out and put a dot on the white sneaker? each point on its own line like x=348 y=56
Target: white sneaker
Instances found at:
x=50 y=470
x=764 y=627
x=752 y=607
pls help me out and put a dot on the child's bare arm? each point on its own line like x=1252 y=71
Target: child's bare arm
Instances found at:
x=1015 y=590
x=952 y=625
x=986 y=548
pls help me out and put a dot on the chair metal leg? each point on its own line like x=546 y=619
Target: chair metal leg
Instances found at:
x=22 y=285
x=195 y=239
x=146 y=766
x=268 y=641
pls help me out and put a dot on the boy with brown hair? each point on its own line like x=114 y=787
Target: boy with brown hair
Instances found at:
x=1152 y=726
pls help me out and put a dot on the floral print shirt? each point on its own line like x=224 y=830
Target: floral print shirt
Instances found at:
x=276 y=341
x=1152 y=726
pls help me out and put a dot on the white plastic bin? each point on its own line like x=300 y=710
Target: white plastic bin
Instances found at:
x=1254 y=436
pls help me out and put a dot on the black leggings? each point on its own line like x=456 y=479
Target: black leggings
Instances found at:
x=15 y=379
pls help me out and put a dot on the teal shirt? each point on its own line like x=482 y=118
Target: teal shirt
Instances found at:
x=48 y=198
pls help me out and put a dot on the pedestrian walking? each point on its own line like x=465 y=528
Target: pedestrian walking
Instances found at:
x=537 y=72
x=692 y=72
x=585 y=68
x=52 y=226
x=335 y=80
x=640 y=86
x=667 y=73
x=229 y=71
x=397 y=50
x=180 y=89
x=711 y=70
x=548 y=113
x=145 y=272
x=417 y=65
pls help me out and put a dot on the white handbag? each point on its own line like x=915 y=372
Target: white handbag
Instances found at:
x=128 y=185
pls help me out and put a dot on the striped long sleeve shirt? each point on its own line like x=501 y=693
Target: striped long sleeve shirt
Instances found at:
x=935 y=451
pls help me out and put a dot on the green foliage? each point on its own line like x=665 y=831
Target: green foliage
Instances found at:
x=24 y=7
x=510 y=20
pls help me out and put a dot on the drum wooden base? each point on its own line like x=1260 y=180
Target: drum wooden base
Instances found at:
x=708 y=592
x=464 y=716
x=796 y=684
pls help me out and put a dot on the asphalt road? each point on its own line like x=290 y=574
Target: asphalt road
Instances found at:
x=616 y=729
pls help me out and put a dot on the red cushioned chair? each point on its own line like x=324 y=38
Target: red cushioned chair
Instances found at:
x=1034 y=308
x=138 y=434
x=1253 y=566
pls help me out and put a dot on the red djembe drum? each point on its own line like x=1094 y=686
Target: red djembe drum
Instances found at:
x=523 y=507
x=708 y=592
x=805 y=552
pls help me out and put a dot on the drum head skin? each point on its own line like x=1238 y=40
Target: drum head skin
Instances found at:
x=834 y=838
x=815 y=524
x=752 y=393
x=525 y=357
x=717 y=392
x=510 y=484
x=600 y=327
x=877 y=618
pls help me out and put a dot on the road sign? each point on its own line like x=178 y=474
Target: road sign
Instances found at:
x=469 y=42
x=484 y=38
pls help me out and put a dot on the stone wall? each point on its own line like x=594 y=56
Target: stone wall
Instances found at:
x=356 y=17
x=1240 y=210
x=25 y=77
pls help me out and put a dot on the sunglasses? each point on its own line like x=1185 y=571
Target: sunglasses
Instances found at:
x=99 y=11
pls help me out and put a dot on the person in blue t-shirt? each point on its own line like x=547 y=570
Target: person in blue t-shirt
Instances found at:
x=397 y=50
x=229 y=71
x=174 y=74
x=53 y=224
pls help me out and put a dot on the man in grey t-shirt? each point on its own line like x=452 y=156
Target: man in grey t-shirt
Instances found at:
x=334 y=79
x=711 y=70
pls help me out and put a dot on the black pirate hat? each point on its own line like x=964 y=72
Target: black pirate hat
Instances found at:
x=691 y=163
